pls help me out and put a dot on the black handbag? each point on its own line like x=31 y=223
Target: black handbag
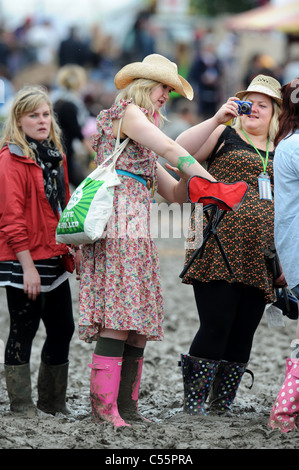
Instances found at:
x=287 y=303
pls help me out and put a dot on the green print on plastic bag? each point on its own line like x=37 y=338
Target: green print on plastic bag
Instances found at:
x=110 y=192
x=73 y=218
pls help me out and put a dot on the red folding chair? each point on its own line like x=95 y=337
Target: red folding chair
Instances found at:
x=217 y=198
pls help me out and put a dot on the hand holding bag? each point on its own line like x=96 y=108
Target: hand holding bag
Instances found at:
x=85 y=217
x=286 y=302
x=68 y=261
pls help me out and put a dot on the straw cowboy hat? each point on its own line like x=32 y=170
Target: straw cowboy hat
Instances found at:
x=154 y=67
x=263 y=84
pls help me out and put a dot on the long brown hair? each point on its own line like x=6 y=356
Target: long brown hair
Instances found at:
x=27 y=100
x=289 y=116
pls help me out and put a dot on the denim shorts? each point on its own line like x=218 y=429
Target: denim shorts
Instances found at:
x=295 y=291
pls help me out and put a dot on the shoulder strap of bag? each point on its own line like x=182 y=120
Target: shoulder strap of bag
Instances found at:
x=216 y=148
x=119 y=147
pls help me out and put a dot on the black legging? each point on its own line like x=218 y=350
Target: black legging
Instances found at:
x=229 y=315
x=55 y=309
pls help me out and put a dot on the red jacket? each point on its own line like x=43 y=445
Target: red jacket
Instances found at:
x=27 y=221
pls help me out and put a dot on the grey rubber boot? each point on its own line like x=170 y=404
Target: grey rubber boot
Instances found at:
x=51 y=386
x=18 y=383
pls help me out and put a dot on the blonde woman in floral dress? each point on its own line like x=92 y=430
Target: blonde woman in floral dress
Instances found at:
x=121 y=302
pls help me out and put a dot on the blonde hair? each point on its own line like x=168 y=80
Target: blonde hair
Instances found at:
x=27 y=100
x=71 y=77
x=139 y=91
x=274 y=123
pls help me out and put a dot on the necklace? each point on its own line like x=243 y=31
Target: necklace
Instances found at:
x=264 y=160
x=264 y=183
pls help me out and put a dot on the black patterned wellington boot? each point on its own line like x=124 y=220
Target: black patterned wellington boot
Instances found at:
x=198 y=375
x=226 y=384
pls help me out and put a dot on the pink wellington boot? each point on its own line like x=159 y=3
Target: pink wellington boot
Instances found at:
x=227 y=196
x=104 y=387
x=285 y=412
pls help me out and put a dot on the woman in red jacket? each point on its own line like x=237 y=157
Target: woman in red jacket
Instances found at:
x=33 y=190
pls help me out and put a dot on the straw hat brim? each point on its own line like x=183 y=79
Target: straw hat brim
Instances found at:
x=258 y=89
x=158 y=69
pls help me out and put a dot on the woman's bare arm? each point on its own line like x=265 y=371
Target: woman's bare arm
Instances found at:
x=201 y=139
x=136 y=126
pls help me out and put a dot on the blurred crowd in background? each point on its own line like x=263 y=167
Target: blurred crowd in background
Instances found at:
x=80 y=68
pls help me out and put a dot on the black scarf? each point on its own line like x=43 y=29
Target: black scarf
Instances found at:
x=49 y=159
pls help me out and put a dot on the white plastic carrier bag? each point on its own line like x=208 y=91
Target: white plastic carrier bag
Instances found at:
x=85 y=217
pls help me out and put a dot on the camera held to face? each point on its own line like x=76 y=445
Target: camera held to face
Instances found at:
x=244 y=107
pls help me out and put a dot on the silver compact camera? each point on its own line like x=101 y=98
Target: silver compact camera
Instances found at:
x=244 y=107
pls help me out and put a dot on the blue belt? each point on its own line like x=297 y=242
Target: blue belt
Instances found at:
x=132 y=175
x=136 y=177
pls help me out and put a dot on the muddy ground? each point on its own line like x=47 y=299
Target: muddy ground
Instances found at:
x=161 y=394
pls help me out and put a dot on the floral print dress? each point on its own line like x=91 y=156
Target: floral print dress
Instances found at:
x=120 y=286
